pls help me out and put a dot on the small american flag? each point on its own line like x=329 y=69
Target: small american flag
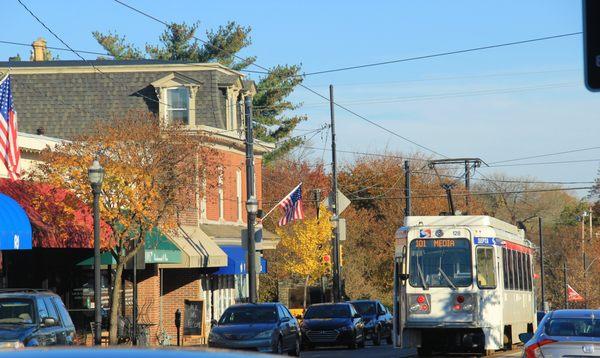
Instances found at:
x=292 y=206
x=9 y=149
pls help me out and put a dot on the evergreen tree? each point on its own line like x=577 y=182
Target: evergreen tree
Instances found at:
x=178 y=43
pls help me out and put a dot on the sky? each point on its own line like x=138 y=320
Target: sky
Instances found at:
x=496 y=104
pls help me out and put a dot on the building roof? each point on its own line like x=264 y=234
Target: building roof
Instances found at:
x=67 y=97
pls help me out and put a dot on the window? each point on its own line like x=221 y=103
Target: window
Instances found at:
x=238 y=182
x=505 y=273
x=529 y=278
x=486 y=277
x=64 y=315
x=281 y=312
x=42 y=311
x=178 y=105
x=440 y=263
x=519 y=266
x=511 y=270
x=16 y=310
x=51 y=309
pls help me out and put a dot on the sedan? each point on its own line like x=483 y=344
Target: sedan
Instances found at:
x=264 y=327
x=378 y=320
x=332 y=324
x=565 y=333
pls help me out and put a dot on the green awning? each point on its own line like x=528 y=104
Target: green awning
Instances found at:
x=158 y=249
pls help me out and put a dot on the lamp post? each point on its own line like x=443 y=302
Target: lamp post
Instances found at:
x=252 y=209
x=96 y=175
x=541 y=236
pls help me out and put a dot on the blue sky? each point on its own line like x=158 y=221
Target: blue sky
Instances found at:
x=495 y=104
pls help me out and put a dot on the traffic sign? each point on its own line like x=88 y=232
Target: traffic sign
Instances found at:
x=591 y=44
x=343 y=202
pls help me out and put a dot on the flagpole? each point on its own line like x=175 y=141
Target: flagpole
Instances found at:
x=276 y=205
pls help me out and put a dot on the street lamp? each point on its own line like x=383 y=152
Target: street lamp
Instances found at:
x=252 y=209
x=95 y=176
x=541 y=236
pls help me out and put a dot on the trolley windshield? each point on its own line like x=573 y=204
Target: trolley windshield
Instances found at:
x=440 y=263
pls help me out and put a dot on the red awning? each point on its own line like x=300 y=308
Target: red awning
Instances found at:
x=59 y=219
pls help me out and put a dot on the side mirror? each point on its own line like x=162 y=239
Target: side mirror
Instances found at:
x=48 y=322
x=525 y=337
x=213 y=323
x=298 y=316
x=357 y=315
x=285 y=319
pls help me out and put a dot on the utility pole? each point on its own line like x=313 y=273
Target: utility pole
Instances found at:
x=337 y=288
x=542 y=263
x=407 y=209
x=565 y=278
x=317 y=196
x=467 y=184
x=251 y=204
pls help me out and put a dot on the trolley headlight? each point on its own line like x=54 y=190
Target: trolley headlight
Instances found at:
x=467 y=307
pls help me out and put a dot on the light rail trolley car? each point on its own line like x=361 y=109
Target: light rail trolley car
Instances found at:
x=462 y=284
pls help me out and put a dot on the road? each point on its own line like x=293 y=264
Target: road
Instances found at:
x=381 y=352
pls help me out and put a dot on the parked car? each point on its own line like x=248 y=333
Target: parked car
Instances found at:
x=564 y=333
x=30 y=318
x=377 y=319
x=265 y=327
x=90 y=352
x=332 y=324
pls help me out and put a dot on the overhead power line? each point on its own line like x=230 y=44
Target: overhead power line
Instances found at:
x=301 y=85
x=545 y=163
x=545 y=155
x=56 y=48
x=440 y=54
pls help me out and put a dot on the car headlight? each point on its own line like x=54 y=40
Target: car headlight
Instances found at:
x=345 y=328
x=214 y=337
x=264 y=334
x=11 y=345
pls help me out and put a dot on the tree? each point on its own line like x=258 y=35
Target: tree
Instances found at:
x=178 y=43
x=302 y=247
x=150 y=173
x=277 y=181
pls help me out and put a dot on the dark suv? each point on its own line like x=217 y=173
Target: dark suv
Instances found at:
x=378 y=320
x=30 y=318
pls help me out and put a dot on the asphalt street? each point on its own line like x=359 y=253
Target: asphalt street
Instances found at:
x=380 y=352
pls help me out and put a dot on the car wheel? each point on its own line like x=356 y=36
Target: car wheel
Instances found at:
x=354 y=344
x=363 y=341
x=279 y=348
x=390 y=339
x=377 y=337
x=296 y=351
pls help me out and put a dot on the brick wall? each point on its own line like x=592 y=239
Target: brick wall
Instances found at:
x=231 y=162
x=178 y=285
x=148 y=299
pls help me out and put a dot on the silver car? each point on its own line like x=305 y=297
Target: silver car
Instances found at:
x=565 y=333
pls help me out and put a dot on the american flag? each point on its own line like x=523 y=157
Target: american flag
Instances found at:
x=292 y=206
x=9 y=149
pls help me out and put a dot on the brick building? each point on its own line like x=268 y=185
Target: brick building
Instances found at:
x=206 y=261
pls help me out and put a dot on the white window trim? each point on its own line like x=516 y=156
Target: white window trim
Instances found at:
x=171 y=81
x=221 y=195
x=238 y=182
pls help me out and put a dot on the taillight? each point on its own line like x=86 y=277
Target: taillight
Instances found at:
x=533 y=351
x=421 y=299
x=460 y=299
x=424 y=308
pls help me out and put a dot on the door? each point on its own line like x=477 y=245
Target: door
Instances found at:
x=65 y=319
x=59 y=332
x=46 y=336
x=294 y=326
x=284 y=328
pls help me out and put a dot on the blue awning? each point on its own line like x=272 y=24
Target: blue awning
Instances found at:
x=236 y=262
x=15 y=228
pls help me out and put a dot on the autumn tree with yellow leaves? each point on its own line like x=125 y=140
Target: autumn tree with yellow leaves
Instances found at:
x=302 y=247
x=151 y=171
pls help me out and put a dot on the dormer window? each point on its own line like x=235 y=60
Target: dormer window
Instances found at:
x=178 y=105
x=177 y=99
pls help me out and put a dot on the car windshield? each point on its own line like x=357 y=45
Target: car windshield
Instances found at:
x=16 y=311
x=440 y=263
x=573 y=327
x=365 y=308
x=327 y=311
x=249 y=314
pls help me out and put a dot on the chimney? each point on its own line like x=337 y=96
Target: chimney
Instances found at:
x=39 y=50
